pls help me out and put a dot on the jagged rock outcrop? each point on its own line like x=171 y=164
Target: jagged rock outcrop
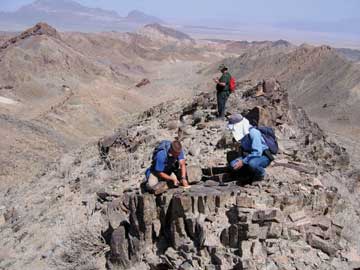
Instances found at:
x=289 y=221
x=227 y=227
x=38 y=30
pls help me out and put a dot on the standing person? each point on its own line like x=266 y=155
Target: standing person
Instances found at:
x=222 y=90
x=168 y=164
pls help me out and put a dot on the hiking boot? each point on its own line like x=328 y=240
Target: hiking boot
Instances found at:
x=160 y=188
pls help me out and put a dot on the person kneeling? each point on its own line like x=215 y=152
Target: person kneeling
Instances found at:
x=168 y=162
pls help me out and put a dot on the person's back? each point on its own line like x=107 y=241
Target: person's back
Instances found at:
x=162 y=161
x=168 y=158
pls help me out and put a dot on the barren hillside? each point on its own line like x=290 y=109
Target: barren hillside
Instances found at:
x=260 y=47
x=89 y=212
x=65 y=206
x=318 y=79
x=74 y=87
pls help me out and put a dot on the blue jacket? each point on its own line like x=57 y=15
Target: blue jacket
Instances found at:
x=254 y=144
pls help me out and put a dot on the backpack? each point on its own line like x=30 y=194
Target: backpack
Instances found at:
x=269 y=137
x=163 y=145
x=232 y=85
x=268 y=134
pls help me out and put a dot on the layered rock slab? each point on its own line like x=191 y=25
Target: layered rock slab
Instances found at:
x=227 y=227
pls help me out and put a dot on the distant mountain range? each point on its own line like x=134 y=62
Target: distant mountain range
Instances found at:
x=345 y=26
x=69 y=15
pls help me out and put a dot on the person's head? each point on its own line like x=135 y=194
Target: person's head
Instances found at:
x=175 y=148
x=239 y=126
x=223 y=68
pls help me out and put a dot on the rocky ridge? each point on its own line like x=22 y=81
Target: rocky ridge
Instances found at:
x=290 y=221
x=310 y=74
x=165 y=35
x=38 y=30
x=302 y=217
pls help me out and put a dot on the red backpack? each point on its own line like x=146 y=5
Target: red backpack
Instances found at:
x=232 y=84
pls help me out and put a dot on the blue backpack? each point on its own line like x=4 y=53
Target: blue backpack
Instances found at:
x=269 y=137
x=163 y=145
x=268 y=134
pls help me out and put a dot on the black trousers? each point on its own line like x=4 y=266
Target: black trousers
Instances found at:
x=222 y=97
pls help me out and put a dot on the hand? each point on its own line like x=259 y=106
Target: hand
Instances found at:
x=175 y=182
x=184 y=182
x=216 y=80
x=238 y=165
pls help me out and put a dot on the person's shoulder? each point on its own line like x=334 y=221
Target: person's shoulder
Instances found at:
x=254 y=132
x=161 y=155
x=182 y=155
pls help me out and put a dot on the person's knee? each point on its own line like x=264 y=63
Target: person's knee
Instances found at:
x=256 y=167
x=253 y=164
x=152 y=181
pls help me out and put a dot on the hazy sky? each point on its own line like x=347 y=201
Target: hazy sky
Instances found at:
x=236 y=10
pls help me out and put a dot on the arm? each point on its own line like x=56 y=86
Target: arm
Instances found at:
x=219 y=82
x=184 y=181
x=224 y=80
x=160 y=167
x=166 y=177
x=256 y=145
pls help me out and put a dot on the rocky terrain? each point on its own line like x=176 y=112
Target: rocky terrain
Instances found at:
x=42 y=79
x=321 y=81
x=64 y=89
x=89 y=212
x=70 y=201
x=311 y=74
x=262 y=47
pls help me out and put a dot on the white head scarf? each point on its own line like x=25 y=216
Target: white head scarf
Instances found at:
x=240 y=130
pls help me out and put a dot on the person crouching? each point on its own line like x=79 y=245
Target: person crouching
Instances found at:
x=255 y=152
x=168 y=165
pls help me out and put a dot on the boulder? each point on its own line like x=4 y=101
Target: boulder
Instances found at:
x=294 y=217
x=271 y=85
x=259 y=116
x=194 y=174
x=268 y=215
x=119 y=249
x=325 y=246
x=115 y=215
x=142 y=83
x=245 y=202
x=275 y=230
